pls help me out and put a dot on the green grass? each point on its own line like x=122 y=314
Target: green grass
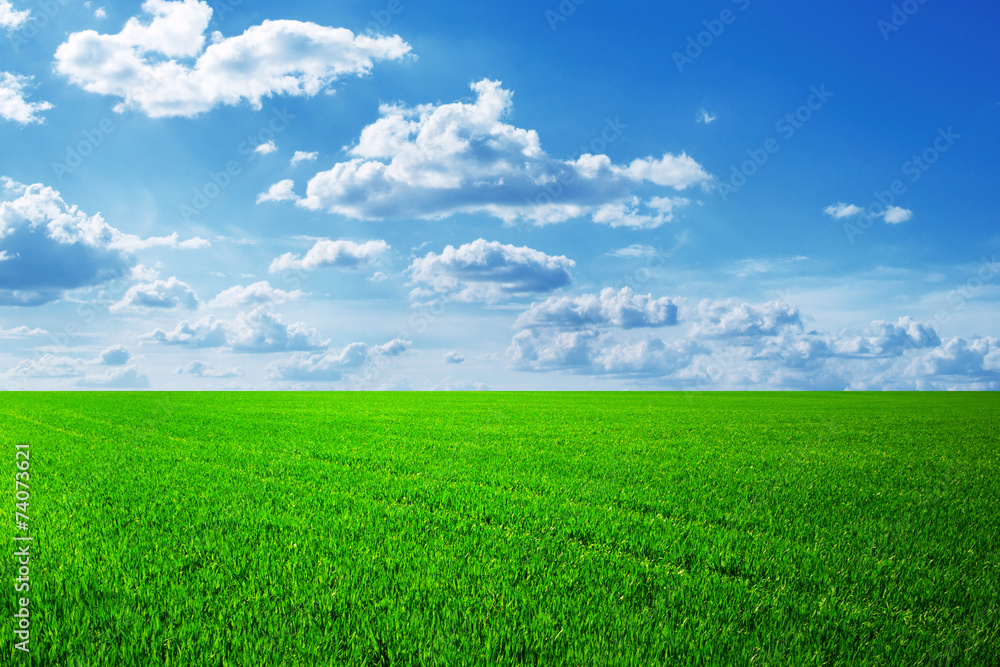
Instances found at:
x=511 y=528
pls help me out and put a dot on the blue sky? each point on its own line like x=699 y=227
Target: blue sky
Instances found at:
x=409 y=194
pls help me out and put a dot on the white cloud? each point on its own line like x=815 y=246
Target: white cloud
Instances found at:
x=895 y=215
x=22 y=332
x=163 y=67
x=206 y=332
x=160 y=294
x=12 y=186
x=46 y=366
x=327 y=253
x=433 y=161
x=489 y=271
x=593 y=353
x=453 y=358
x=11 y=19
x=727 y=344
x=281 y=191
x=133 y=243
x=883 y=338
x=266 y=148
x=258 y=331
x=52 y=247
x=262 y=331
x=623 y=308
x=303 y=156
x=13 y=105
x=705 y=117
x=892 y=215
x=647 y=356
x=638 y=214
x=203 y=370
x=966 y=360
x=100 y=13
x=842 y=210
x=729 y=318
x=750 y=267
x=634 y=251
x=448 y=385
x=117 y=378
x=115 y=355
x=258 y=293
x=330 y=366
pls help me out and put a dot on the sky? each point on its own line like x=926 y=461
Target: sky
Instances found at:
x=552 y=195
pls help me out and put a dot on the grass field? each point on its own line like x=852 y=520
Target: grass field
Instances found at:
x=507 y=528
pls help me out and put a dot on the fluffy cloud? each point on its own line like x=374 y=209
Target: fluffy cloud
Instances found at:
x=489 y=271
x=895 y=215
x=628 y=213
x=881 y=339
x=958 y=358
x=258 y=331
x=729 y=344
x=203 y=370
x=258 y=293
x=51 y=247
x=303 y=156
x=280 y=191
x=583 y=334
x=624 y=309
x=13 y=105
x=206 y=332
x=266 y=148
x=161 y=294
x=727 y=319
x=331 y=366
x=453 y=358
x=11 y=19
x=842 y=210
x=325 y=253
x=115 y=355
x=432 y=161
x=163 y=68
x=595 y=353
x=46 y=366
